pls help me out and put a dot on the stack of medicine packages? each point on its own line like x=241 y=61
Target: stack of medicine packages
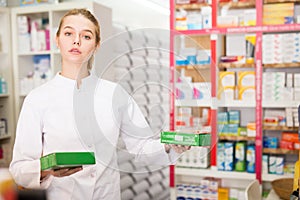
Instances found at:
x=198 y=155
x=236 y=86
x=234 y=156
x=207 y=189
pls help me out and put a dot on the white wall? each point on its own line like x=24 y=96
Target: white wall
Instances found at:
x=138 y=13
x=132 y=13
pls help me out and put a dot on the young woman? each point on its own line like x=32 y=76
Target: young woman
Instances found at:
x=78 y=112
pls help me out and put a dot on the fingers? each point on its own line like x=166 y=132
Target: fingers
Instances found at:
x=66 y=171
x=180 y=148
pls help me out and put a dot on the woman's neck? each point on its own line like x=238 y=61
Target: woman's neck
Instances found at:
x=75 y=73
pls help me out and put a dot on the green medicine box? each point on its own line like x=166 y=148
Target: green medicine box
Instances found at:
x=188 y=139
x=67 y=159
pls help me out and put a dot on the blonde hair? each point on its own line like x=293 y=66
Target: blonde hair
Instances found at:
x=87 y=14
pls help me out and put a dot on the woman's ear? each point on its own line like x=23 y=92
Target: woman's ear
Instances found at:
x=56 y=42
x=97 y=47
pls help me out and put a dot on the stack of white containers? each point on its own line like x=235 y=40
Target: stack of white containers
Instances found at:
x=281 y=48
x=296 y=85
x=274 y=87
x=198 y=157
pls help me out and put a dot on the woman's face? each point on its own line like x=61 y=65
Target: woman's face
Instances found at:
x=77 y=40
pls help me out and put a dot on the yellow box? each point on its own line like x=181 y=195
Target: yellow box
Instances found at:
x=226 y=93
x=278 y=13
x=251 y=129
x=246 y=78
x=226 y=79
x=278 y=6
x=247 y=93
x=250 y=48
x=223 y=193
x=275 y=20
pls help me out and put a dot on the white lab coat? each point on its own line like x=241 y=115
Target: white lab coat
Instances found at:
x=47 y=124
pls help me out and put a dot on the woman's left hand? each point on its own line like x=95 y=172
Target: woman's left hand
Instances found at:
x=177 y=148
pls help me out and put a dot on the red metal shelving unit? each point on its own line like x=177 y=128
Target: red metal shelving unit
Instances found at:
x=242 y=29
x=259 y=30
x=172 y=116
x=258 y=89
x=172 y=83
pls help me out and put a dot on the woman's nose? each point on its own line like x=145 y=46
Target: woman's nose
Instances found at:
x=77 y=40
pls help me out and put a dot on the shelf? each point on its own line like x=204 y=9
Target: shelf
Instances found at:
x=282 y=65
x=230 y=5
x=237 y=103
x=7 y=72
x=214 y=173
x=238 y=5
x=237 y=138
x=196 y=67
x=193 y=103
x=271 y=177
x=193 y=6
x=279 y=128
x=6 y=136
x=242 y=29
x=264 y=28
x=32 y=53
x=280 y=151
x=205 y=31
x=226 y=174
x=279 y=104
x=4 y=95
x=235 y=65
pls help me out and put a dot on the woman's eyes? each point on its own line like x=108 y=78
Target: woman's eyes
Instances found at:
x=68 y=33
x=86 y=37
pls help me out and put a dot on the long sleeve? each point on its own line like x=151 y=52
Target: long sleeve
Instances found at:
x=140 y=139
x=25 y=165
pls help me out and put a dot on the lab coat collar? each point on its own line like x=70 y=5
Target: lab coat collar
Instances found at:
x=91 y=79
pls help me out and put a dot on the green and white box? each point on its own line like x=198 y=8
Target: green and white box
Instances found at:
x=188 y=139
x=66 y=159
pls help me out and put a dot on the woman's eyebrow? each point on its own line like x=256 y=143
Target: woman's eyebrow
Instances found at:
x=68 y=27
x=86 y=30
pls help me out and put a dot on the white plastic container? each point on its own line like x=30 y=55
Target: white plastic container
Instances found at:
x=206 y=16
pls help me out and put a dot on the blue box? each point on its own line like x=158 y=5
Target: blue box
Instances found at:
x=234 y=116
x=250 y=157
x=233 y=129
x=222 y=118
x=192 y=60
x=229 y=156
x=222 y=129
x=270 y=142
x=221 y=156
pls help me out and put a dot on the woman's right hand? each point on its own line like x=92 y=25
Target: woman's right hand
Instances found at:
x=60 y=172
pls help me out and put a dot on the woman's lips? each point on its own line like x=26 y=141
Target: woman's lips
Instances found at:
x=74 y=50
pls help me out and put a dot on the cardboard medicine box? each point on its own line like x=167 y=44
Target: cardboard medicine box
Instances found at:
x=189 y=139
x=66 y=159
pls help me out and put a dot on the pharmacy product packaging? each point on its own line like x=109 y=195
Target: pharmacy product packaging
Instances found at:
x=66 y=159
x=189 y=139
